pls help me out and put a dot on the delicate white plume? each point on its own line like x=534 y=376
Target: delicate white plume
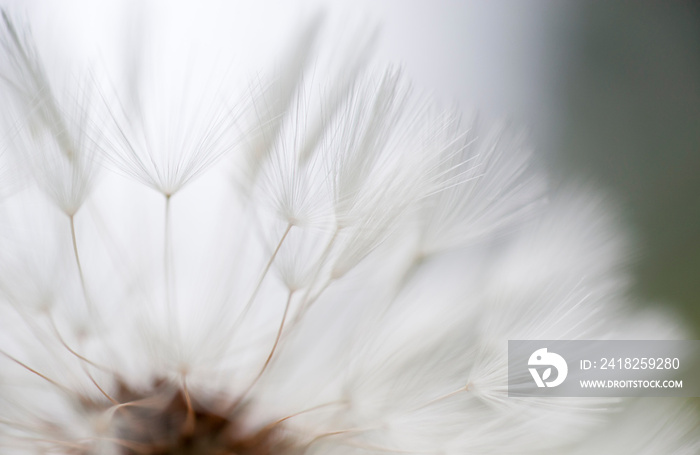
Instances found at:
x=337 y=259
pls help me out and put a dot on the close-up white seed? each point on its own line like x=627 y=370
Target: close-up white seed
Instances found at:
x=296 y=252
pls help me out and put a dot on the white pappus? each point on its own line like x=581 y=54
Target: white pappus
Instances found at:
x=304 y=264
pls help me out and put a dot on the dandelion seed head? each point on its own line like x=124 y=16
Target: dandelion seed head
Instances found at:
x=329 y=263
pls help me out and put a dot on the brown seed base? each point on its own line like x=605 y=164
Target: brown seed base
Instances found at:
x=173 y=428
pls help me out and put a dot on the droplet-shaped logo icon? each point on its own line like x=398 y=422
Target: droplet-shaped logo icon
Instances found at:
x=543 y=358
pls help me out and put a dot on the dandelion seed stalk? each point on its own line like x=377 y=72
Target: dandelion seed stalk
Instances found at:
x=287 y=305
x=258 y=284
x=168 y=272
x=88 y=303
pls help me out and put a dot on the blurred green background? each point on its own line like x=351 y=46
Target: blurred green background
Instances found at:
x=630 y=104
